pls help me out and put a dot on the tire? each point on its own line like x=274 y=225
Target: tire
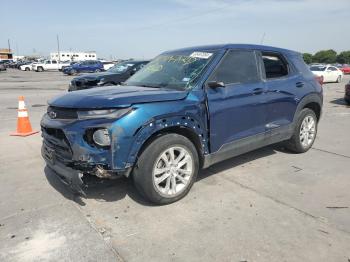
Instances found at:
x=72 y=72
x=40 y=69
x=97 y=71
x=27 y=69
x=347 y=102
x=144 y=171
x=296 y=143
x=338 y=79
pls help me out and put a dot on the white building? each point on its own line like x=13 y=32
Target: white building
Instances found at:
x=74 y=56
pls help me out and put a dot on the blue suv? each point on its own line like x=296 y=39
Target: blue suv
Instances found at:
x=88 y=66
x=186 y=110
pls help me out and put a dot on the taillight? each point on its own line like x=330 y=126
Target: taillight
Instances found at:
x=319 y=79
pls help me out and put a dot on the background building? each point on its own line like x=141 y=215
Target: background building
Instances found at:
x=5 y=54
x=74 y=56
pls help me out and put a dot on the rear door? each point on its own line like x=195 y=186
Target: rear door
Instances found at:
x=284 y=87
x=238 y=110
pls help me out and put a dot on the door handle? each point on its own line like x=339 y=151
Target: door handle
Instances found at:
x=258 y=91
x=299 y=84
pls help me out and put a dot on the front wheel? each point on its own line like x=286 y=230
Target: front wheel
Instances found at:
x=40 y=69
x=166 y=169
x=304 y=133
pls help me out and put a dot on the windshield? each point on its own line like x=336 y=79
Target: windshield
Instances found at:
x=121 y=67
x=174 y=71
x=317 y=68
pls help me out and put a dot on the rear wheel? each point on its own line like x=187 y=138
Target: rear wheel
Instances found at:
x=97 y=70
x=40 y=69
x=338 y=79
x=304 y=133
x=27 y=69
x=166 y=169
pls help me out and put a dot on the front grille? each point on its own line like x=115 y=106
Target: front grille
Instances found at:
x=56 y=141
x=85 y=83
x=62 y=113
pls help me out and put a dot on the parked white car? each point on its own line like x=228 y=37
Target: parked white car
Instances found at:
x=27 y=67
x=328 y=73
x=49 y=65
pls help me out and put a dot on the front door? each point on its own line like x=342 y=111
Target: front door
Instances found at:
x=238 y=110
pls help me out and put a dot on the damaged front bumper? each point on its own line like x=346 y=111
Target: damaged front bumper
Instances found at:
x=67 y=153
x=70 y=177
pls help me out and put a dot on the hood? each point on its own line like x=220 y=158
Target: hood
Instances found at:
x=115 y=96
x=96 y=76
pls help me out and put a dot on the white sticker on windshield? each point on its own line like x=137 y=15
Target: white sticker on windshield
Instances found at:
x=185 y=79
x=204 y=55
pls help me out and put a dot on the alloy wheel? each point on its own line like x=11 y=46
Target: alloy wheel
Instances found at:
x=172 y=171
x=307 y=131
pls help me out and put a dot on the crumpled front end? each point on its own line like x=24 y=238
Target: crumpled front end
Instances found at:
x=70 y=152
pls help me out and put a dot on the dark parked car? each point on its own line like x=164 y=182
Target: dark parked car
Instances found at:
x=185 y=110
x=347 y=93
x=113 y=76
x=88 y=66
x=2 y=66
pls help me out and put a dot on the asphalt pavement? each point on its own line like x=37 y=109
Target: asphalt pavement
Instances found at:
x=266 y=205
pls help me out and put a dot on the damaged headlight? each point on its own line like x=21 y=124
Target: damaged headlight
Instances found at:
x=101 y=137
x=103 y=113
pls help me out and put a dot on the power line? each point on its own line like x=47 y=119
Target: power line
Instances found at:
x=174 y=21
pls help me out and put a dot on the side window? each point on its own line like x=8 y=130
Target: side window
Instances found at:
x=275 y=65
x=237 y=66
x=54 y=62
x=332 y=68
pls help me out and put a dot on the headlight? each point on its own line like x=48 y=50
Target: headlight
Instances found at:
x=101 y=137
x=104 y=113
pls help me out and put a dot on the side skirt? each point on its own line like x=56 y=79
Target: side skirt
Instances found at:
x=248 y=144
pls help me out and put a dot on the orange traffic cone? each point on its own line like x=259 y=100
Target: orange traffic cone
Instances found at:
x=24 y=127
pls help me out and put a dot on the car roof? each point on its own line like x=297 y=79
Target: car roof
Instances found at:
x=135 y=61
x=234 y=46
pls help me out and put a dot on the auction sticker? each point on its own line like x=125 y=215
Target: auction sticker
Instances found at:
x=203 y=55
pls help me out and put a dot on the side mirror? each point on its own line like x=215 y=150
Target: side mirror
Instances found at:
x=216 y=84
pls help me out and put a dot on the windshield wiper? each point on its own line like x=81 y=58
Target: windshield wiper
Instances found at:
x=151 y=86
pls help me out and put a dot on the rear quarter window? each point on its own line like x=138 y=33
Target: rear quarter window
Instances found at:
x=300 y=66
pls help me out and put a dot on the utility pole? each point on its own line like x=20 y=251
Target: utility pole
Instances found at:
x=58 y=49
x=263 y=38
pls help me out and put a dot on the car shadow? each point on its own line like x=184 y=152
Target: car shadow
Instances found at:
x=106 y=190
x=242 y=160
x=339 y=101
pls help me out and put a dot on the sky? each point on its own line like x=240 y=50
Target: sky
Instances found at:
x=142 y=29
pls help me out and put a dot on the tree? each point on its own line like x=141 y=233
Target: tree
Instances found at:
x=307 y=58
x=344 y=57
x=325 y=56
